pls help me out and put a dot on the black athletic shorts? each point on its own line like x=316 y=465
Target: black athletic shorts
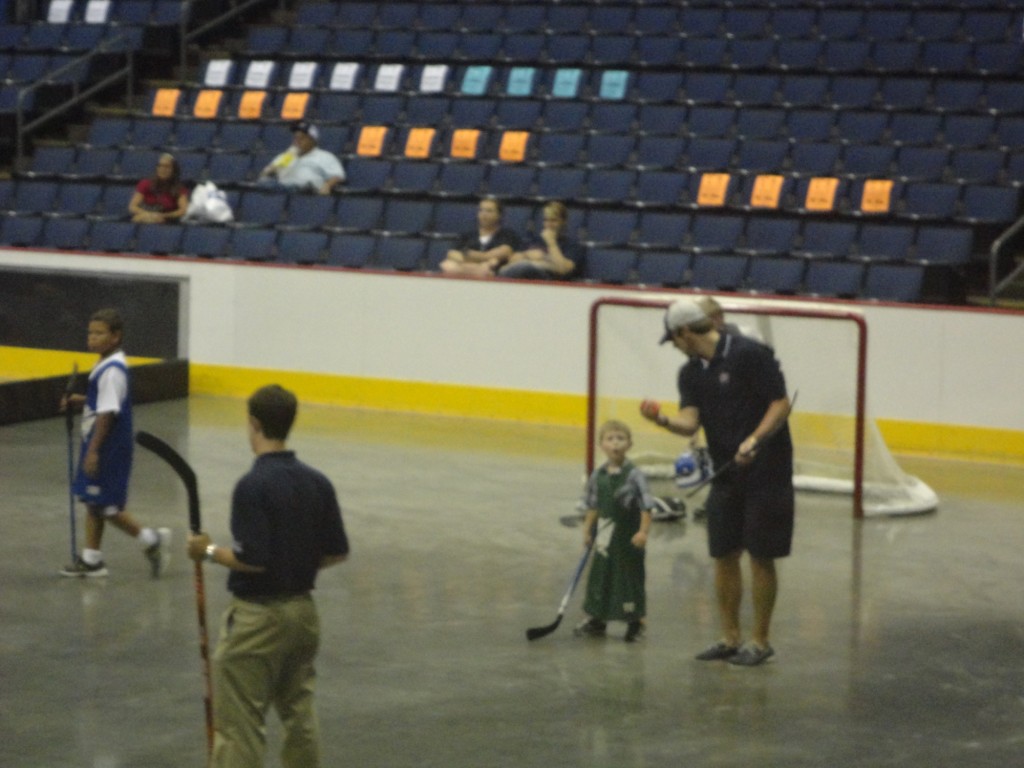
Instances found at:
x=757 y=518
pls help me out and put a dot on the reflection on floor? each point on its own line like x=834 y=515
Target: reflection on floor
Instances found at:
x=899 y=640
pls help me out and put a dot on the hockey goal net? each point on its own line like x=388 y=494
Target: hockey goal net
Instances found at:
x=823 y=353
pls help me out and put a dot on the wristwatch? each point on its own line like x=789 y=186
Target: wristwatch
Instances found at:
x=210 y=550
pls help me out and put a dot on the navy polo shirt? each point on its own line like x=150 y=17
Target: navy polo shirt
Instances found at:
x=732 y=391
x=285 y=518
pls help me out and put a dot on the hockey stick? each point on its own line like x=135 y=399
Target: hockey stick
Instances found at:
x=729 y=464
x=69 y=424
x=188 y=477
x=535 y=633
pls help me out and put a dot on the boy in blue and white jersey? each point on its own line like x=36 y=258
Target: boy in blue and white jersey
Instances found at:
x=105 y=463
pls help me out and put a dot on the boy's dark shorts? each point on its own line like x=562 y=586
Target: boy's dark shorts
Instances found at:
x=757 y=518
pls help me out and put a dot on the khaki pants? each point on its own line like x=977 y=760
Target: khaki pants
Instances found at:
x=265 y=657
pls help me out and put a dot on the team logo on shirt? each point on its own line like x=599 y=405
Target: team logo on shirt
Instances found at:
x=723 y=378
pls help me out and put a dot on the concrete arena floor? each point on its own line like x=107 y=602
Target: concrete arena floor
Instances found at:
x=899 y=641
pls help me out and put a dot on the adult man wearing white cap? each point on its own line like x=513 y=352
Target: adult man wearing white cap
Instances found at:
x=734 y=388
x=304 y=165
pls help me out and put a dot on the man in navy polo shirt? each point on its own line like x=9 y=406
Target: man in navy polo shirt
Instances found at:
x=734 y=388
x=286 y=525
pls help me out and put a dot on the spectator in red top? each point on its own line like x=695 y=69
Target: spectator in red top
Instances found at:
x=161 y=198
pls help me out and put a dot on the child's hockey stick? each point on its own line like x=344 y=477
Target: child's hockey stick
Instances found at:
x=537 y=632
x=729 y=464
x=69 y=424
x=188 y=477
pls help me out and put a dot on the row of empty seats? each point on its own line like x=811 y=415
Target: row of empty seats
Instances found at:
x=761 y=235
x=898 y=132
x=975 y=185
x=976 y=94
x=724 y=20
x=706 y=270
x=648 y=51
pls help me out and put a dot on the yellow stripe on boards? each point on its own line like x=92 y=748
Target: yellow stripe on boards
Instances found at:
x=22 y=363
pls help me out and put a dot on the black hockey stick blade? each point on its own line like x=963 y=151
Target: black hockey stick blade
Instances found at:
x=535 y=633
x=182 y=469
x=729 y=464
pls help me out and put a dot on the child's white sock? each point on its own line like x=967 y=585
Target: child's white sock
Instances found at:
x=148 y=537
x=92 y=556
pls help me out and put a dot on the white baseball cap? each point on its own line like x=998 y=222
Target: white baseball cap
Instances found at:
x=681 y=313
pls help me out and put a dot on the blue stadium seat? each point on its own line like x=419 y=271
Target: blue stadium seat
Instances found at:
x=414 y=177
x=461 y=179
x=560 y=149
x=958 y=95
x=760 y=123
x=840 y=23
x=815 y=158
x=988 y=204
x=205 y=241
x=873 y=160
x=840 y=279
x=560 y=183
x=261 y=208
x=112 y=236
x=309 y=212
x=77 y=199
x=711 y=121
x=252 y=244
x=406 y=217
x=230 y=168
x=921 y=163
x=930 y=200
x=51 y=162
x=302 y=247
x=358 y=213
x=609 y=185
x=778 y=275
x=895 y=56
x=715 y=234
x=65 y=233
x=752 y=55
x=804 y=91
x=608 y=150
x=904 y=94
x=108 y=132
x=613 y=118
x=405 y=254
x=977 y=166
x=810 y=125
x=769 y=236
x=658 y=50
x=159 y=239
x=827 y=239
x=944 y=245
x=662 y=119
x=885 y=242
x=610 y=265
x=662 y=187
x=909 y=128
x=894 y=282
x=511 y=181
x=719 y=272
x=707 y=88
x=968 y=130
x=351 y=250
x=23 y=229
x=454 y=218
x=34 y=196
x=762 y=155
x=857 y=126
x=799 y=54
x=853 y=91
x=665 y=268
x=152 y=132
x=709 y=154
x=610 y=228
x=368 y=174
x=662 y=230
x=793 y=23
x=558 y=115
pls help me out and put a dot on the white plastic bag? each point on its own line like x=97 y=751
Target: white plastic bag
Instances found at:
x=208 y=205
